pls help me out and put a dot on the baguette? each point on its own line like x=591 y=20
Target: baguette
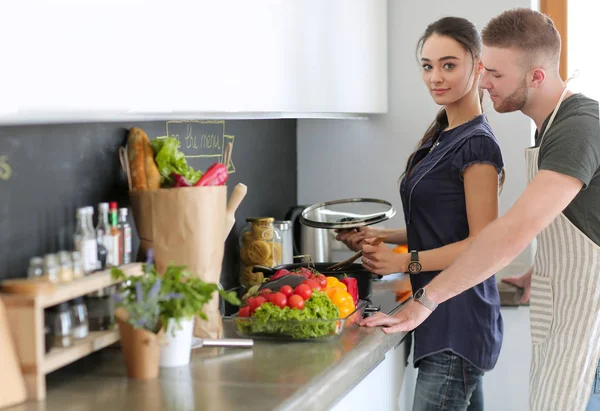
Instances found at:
x=144 y=173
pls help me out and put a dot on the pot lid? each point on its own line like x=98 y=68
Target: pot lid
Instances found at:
x=347 y=213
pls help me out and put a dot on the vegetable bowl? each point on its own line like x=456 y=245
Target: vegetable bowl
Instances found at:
x=296 y=329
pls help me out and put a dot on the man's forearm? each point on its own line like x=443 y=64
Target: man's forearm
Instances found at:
x=493 y=249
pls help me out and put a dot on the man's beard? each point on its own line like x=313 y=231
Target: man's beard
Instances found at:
x=516 y=101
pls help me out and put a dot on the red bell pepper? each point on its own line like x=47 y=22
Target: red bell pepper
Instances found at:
x=180 y=181
x=215 y=175
x=352 y=287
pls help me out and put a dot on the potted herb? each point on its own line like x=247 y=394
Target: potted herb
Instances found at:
x=138 y=318
x=178 y=314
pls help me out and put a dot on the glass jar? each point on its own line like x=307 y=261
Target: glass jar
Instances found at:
x=66 y=267
x=287 y=241
x=62 y=325
x=101 y=309
x=80 y=318
x=77 y=267
x=51 y=268
x=260 y=244
x=36 y=267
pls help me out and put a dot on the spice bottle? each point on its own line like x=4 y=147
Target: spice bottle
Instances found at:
x=125 y=230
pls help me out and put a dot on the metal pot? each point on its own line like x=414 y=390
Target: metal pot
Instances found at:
x=363 y=277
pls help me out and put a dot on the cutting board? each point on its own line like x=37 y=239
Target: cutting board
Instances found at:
x=12 y=384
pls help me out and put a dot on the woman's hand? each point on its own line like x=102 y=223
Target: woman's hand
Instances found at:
x=353 y=238
x=380 y=259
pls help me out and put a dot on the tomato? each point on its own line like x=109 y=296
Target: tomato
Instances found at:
x=306 y=272
x=313 y=284
x=287 y=290
x=321 y=279
x=303 y=290
x=279 y=299
x=244 y=311
x=265 y=291
x=255 y=302
x=295 y=301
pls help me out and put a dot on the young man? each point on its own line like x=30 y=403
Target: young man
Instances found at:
x=561 y=205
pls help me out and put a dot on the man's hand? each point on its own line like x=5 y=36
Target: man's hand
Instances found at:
x=524 y=282
x=407 y=319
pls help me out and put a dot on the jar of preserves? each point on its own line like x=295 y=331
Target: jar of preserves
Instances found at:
x=260 y=244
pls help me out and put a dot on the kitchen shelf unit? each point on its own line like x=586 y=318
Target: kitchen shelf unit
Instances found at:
x=26 y=321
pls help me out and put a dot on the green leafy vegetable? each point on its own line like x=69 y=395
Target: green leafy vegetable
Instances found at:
x=298 y=324
x=170 y=160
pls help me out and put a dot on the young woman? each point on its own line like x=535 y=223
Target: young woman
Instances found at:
x=449 y=194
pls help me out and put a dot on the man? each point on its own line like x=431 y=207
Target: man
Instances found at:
x=561 y=205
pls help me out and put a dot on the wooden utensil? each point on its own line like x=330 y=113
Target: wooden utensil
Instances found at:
x=238 y=194
x=343 y=264
x=227 y=154
x=12 y=384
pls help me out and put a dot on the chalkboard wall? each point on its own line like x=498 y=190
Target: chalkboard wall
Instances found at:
x=47 y=171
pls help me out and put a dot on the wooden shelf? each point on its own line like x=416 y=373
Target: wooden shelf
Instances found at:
x=26 y=321
x=73 y=289
x=96 y=340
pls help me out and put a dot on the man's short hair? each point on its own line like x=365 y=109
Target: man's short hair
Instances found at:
x=524 y=29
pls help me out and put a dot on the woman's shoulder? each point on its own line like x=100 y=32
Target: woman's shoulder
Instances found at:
x=479 y=128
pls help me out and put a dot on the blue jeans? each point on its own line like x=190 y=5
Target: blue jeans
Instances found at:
x=448 y=382
x=594 y=403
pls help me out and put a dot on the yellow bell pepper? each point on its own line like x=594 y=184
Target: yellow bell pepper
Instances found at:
x=342 y=300
x=333 y=282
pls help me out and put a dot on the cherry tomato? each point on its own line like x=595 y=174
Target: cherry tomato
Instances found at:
x=265 y=291
x=313 y=284
x=295 y=301
x=287 y=290
x=303 y=290
x=322 y=280
x=279 y=299
x=255 y=302
x=245 y=311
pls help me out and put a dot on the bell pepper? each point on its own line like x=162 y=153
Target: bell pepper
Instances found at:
x=215 y=175
x=352 y=287
x=333 y=282
x=180 y=181
x=342 y=300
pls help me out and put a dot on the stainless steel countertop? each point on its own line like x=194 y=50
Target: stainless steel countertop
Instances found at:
x=270 y=376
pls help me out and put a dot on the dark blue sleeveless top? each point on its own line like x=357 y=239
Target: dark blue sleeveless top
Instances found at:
x=433 y=199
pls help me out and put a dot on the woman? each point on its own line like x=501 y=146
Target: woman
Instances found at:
x=449 y=194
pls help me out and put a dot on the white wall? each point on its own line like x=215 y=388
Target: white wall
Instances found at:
x=366 y=157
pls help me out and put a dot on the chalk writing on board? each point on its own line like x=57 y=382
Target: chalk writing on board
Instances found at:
x=201 y=139
x=5 y=169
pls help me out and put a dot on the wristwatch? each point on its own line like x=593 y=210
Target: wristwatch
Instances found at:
x=422 y=298
x=414 y=267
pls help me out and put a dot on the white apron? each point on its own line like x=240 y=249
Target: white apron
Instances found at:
x=565 y=312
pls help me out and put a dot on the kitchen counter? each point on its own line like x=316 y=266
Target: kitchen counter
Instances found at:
x=270 y=376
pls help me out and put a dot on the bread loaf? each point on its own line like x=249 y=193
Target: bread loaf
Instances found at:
x=144 y=173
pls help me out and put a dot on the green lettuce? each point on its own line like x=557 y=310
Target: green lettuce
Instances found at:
x=271 y=319
x=170 y=160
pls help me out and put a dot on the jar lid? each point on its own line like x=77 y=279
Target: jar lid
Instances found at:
x=282 y=225
x=347 y=213
x=260 y=219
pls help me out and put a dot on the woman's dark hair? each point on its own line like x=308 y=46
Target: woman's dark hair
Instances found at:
x=464 y=33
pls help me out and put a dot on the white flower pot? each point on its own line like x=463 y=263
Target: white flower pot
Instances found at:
x=177 y=345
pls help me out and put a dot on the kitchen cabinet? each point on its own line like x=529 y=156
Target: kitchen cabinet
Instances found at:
x=131 y=60
x=381 y=388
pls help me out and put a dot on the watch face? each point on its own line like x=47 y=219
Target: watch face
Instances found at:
x=414 y=267
x=419 y=293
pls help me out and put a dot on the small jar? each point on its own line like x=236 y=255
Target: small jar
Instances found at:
x=77 y=267
x=51 y=268
x=62 y=325
x=79 y=315
x=66 y=267
x=36 y=267
x=260 y=244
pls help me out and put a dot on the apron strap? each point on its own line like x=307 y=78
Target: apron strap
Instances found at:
x=560 y=100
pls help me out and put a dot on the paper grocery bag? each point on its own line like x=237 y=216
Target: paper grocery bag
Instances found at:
x=185 y=226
